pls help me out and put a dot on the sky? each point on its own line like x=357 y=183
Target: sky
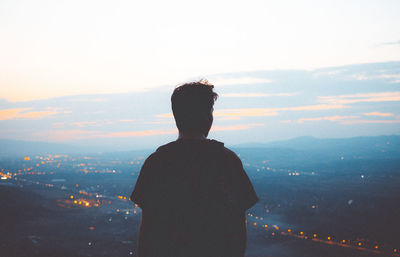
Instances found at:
x=57 y=48
x=257 y=106
x=264 y=57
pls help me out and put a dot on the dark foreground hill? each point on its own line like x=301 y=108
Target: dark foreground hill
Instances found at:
x=33 y=224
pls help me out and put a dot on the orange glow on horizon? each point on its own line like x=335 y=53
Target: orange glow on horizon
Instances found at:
x=359 y=98
x=21 y=113
x=328 y=118
x=382 y=114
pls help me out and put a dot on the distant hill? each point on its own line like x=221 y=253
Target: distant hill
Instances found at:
x=309 y=142
x=19 y=147
x=311 y=148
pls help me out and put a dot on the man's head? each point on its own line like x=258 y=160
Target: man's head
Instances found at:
x=192 y=106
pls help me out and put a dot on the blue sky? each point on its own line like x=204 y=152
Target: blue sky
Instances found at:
x=258 y=106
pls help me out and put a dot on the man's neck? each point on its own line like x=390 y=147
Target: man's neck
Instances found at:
x=191 y=135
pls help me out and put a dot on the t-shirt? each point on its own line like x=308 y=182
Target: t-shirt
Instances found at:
x=193 y=194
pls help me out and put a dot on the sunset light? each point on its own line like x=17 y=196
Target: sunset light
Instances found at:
x=210 y=128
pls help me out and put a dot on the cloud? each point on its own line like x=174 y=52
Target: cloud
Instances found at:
x=238 y=81
x=394 y=78
x=58 y=124
x=84 y=123
x=165 y=115
x=328 y=73
x=229 y=118
x=236 y=127
x=246 y=112
x=352 y=122
x=66 y=135
x=257 y=112
x=361 y=77
x=389 y=43
x=143 y=133
x=362 y=97
x=265 y=112
x=314 y=107
x=80 y=98
x=328 y=118
x=76 y=134
x=9 y=114
x=349 y=120
x=257 y=94
x=389 y=77
x=97 y=123
x=158 y=122
x=382 y=114
x=23 y=113
x=36 y=115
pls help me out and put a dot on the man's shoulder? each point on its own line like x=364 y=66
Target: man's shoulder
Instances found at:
x=164 y=147
x=229 y=151
x=225 y=150
x=171 y=146
x=231 y=155
x=160 y=150
x=216 y=147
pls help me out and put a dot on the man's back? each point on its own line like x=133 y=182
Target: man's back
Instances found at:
x=193 y=193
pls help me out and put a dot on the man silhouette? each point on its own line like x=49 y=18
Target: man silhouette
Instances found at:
x=193 y=192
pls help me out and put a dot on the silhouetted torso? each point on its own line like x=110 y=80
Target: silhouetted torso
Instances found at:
x=193 y=194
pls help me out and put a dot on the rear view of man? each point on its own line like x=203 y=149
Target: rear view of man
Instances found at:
x=193 y=192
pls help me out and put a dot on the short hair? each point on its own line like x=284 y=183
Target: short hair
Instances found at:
x=192 y=103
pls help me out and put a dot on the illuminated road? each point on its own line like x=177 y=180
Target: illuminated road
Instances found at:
x=274 y=230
